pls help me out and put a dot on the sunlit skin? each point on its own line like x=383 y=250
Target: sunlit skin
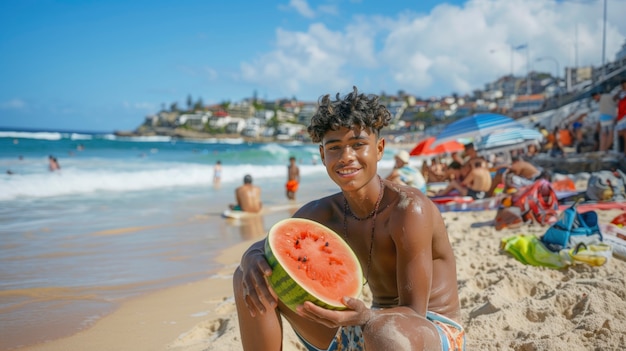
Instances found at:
x=412 y=269
x=346 y=154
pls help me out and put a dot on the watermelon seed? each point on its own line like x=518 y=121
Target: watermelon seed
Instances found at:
x=299 y=258
x=304 y=259
x=326 y=244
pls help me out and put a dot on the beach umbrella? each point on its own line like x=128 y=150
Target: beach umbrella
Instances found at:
x=518 y=137
x=476 y=126
x=426 y=148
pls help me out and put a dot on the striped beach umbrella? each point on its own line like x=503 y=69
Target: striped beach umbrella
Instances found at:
x=476 y=126
x=509 y=137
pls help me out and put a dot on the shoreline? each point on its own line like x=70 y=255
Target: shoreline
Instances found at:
x=150 y=321
x=237 y=231
x=504 y=304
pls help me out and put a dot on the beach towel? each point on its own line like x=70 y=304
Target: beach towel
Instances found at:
x=573 y=228
x=615 y=236
x=529 y=250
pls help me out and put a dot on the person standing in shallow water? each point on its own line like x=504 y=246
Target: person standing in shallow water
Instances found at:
x=293 y=178
x=396 y=232
x=53 y=164
x=217 y=173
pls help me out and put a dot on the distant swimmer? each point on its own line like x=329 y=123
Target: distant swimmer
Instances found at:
x=293 y=178
x=53 y=164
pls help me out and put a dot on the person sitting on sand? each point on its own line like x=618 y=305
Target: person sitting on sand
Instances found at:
x=471 y=156
x=475 y=184
x=436 y=171
x=248 y=197
x=404 y=174
x=519 y=174
x=396 y=232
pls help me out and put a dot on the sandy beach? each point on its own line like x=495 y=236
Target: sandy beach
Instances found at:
x=505 y=305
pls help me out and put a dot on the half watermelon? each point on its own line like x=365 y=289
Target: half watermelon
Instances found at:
x=310 y=262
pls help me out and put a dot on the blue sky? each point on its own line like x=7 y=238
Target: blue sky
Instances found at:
x=105 y=65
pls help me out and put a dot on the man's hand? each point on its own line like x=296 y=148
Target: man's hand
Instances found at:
x=356 y=314
x=257 y=294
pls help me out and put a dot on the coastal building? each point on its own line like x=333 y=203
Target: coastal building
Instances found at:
x=194 y=120
x=242 y=110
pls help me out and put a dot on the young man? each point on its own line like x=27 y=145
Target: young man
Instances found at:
x=293 y=178
x=248 y=197
x=396 y=232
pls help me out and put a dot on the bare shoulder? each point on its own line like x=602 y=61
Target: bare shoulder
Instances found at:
x=321 y=210
x=409 y=203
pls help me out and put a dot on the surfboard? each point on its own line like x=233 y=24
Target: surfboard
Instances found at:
x=231 y=214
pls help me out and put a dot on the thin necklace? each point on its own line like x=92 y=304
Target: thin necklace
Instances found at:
x=346 y=210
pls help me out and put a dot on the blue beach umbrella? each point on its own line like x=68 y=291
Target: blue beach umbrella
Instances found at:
x=509 y=137
x=476 y=126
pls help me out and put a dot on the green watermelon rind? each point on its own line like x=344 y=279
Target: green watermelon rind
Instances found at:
x=287 y=289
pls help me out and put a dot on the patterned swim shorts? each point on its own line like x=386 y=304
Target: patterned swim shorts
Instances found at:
x=350 y=338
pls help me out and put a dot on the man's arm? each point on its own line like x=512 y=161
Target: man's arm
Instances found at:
x=467 y=182
x=414 y=263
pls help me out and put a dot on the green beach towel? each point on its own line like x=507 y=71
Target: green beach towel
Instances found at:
x=528 y=249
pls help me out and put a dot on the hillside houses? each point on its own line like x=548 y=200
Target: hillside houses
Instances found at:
x=286 y=119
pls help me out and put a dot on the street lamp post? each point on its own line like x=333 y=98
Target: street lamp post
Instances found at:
x=511 y=48
x=555 y=62
x=558 y=88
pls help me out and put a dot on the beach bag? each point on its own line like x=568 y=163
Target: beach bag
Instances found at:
x=571 y=229
x=606 y=186
x=537 y=202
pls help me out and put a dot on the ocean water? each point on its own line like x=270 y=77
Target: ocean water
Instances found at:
x=122 y=217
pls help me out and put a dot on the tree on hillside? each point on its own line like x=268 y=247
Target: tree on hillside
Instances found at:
x=199 y=105
x=174 y=107
x=189 y=102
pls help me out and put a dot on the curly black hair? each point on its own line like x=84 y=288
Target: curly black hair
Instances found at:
x=354 y=111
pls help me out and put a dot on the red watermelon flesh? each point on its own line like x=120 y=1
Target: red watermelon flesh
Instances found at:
x=310 y=262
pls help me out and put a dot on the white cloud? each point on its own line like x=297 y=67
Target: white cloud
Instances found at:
x=302 y=7
x=141 y=106
x=450 y=49
x=13 y=104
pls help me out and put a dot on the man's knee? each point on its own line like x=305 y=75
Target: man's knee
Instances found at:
x=401 y=332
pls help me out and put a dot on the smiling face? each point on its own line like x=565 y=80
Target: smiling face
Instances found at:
x=351 y=156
